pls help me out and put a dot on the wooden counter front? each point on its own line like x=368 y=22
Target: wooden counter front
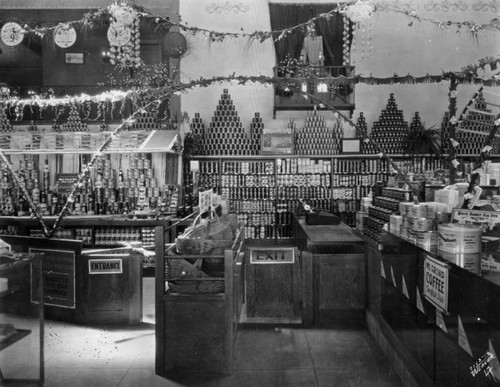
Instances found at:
x=338 y=277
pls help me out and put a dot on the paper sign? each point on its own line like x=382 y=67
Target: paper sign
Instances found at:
x=59 y=277
x=440 y=321
x=463 y=342
x=393 y=278
x=495 y=364
x=420 y=305
x=194 y=165
x=405 y=289
x=105 y=266
x=272 y=256
x=205 y=200
x=436 y=283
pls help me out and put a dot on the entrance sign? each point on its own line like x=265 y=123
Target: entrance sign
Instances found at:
x=105 y=266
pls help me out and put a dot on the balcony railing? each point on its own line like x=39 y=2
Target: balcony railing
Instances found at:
x=305 y=86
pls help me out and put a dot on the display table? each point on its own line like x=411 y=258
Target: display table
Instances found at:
x=335 y=278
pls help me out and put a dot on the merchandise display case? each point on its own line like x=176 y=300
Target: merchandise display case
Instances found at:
x=435 y=315
x=89 y=286
x=21 y=319
x=94 y=232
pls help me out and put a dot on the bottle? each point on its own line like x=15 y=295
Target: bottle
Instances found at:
x=35 y=192
x=46 y=174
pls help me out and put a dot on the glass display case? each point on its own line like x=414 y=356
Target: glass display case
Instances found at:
x=21 y=319
x=441 y=308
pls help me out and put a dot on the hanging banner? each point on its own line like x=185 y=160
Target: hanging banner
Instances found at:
x=436 y=283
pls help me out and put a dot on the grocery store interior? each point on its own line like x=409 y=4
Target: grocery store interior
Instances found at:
x=257 y=193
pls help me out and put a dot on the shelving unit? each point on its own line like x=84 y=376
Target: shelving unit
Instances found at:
x=264 y=190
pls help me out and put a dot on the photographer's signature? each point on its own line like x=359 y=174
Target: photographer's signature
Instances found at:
x=483 y=364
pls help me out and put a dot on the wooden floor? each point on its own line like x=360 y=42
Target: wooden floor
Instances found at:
x=340 y=353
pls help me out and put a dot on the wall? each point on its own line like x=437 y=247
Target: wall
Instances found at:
x=398 y=48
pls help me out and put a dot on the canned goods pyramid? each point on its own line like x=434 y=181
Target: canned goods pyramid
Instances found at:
x=225 y=135
x=391 y=129
x=74 y=123
x=474 y=129
x=315 y=138
x=5 y=125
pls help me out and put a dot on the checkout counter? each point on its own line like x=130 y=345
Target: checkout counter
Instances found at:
x=336 y=277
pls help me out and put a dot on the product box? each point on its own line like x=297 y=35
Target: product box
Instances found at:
x=447 y=197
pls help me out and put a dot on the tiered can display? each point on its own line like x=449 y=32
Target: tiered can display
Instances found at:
x=225 y=134
x=316 y=138
x=391 y=129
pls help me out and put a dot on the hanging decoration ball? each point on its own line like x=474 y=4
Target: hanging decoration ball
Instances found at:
x=360 y=11
x=12 y=34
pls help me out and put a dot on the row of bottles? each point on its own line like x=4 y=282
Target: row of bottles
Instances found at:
x=104 y=191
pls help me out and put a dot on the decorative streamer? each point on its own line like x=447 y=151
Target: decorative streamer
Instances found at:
x=354 y=9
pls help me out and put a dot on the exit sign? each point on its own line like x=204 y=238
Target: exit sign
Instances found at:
x=266 y=256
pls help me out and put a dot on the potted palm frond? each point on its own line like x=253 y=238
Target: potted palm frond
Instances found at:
x=424 y=141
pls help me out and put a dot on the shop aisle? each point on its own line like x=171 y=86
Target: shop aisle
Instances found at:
x=343 y=354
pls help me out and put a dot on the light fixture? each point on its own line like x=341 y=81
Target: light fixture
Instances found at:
x=106 y=56
x=322 y=87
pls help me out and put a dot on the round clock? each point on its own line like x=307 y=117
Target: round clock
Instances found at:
x=64 y=35
x=118 y=35
x=12 y=34
x=174 y=44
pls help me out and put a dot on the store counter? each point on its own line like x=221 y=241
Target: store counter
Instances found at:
x=337 y=277
x=436 y=319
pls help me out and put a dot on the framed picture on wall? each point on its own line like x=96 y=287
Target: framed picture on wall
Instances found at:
x=277 y=144
x=351 y=145
x=75 y=58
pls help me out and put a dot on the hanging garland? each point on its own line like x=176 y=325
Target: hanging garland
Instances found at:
x=123 y=36
x=359 y=10
x=468 y=76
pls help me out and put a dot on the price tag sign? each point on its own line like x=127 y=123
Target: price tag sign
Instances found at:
x=205 y=200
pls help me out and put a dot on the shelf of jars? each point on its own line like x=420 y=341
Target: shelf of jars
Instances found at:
x=265 y=190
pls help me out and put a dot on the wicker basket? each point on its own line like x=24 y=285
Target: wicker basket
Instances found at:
x=196 y=287
x=232 y=219
x=214 y=241
x=218 y=230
